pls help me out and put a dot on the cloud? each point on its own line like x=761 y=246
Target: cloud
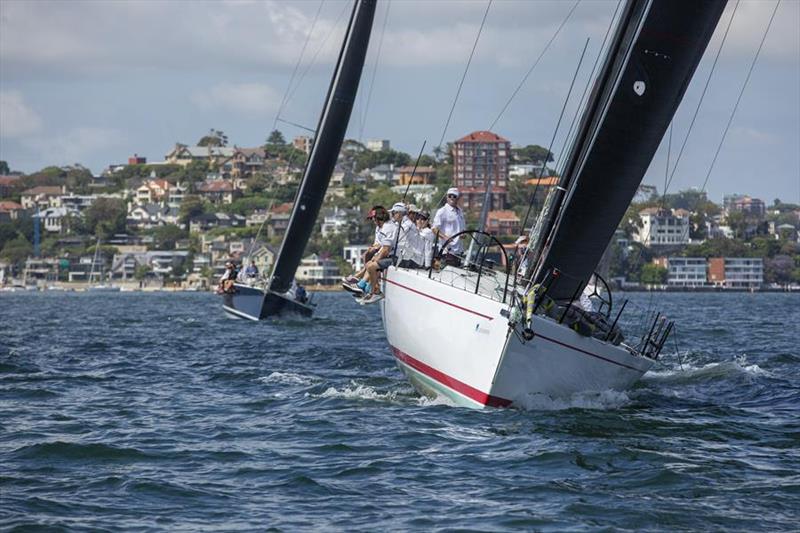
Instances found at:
x=753 y=135
x=16 y=118
x=245 y=98
x=75 y=145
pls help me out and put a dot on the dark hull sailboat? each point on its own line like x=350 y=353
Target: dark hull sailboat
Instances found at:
x=277 y=297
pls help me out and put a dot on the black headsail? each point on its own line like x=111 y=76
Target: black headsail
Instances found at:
x=327 y=143
x=650 y=62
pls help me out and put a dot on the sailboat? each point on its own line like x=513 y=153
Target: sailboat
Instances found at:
x=277 y=296
x=491 y=336
x=98 y=287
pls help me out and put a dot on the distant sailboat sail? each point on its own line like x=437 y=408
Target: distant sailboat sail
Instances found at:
x=327 y=143
x=654 y=53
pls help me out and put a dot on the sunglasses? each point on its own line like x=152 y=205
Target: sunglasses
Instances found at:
x=452 y=196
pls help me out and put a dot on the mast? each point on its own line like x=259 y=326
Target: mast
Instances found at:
x=652 y=57
x=327 y=143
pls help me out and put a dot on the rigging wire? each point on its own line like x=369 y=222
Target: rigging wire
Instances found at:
x=316 y=54
x=741 y=92
x=600 y=53
x=535 y=63
x=702 y=96
x=552 y=140
x=297 y=65
x=374 y=71
x=464 y=75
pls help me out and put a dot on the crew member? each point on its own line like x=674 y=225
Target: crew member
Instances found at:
x=449 y=221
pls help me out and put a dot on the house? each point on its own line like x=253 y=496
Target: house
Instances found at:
x=246 y=161
x=378 y=145
x=9 y=210
x=736 y=272
x=56 y=219
x=207 y=221
x=264 y=257
x=685 y=271
x=217 y=191
x=520 y=170
x=279 y=220
x=303 y=143
x=342 y=176
x=354 y=254
x=78 y=202
x=503 y=222
x=257 y=218
x=316 y=270
x=737 y=203
x=422 y=176
x=162 y=263
x=42 y=197
x=152 y=191
x=151 y=215
x=183 y=155
x=383 y=173
x=7 y=185
x=422 y=194
x=40 y=268
x=662 y=227
x=339 y=220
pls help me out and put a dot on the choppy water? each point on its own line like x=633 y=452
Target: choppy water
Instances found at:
x=154 y=411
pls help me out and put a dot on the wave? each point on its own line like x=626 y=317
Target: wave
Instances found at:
x=287 y=378
x=75 y=450
x=721 y=369
x=608 y=399
x=359 y=392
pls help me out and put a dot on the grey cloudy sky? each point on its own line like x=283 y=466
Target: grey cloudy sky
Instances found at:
x=94 y=82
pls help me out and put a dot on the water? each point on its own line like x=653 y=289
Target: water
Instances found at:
x=154 y=411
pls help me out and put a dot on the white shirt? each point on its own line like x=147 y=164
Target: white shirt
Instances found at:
x=407 y=243
x=387 y=234
x=423 y=249
x=450 y=221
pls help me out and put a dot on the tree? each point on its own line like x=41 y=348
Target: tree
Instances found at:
x=7 y=233
x=532 y=154
x=165 y=237
x=213 y=138
x=4 y=167
x=275 y=139
x=105 y=217
x=652 y=274
x=778 y=269
x=141 y=272
x=192 y=206
x=16 y=250
x=78 y=179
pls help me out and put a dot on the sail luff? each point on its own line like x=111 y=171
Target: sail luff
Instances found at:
x=327 y=143
x=655 y=52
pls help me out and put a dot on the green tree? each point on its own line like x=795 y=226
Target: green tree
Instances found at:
x=141 y=272
x=191 y=207
x=653 y=274
x=531 y=154
x=275 y=138
x=7 y=233
x=165 y=237
x=4 y=167
x=105 y=217
x=779 y=269
x=17 y=250
x=78 y=179
x=213 y=138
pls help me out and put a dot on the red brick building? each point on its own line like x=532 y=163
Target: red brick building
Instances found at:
x=477 y=158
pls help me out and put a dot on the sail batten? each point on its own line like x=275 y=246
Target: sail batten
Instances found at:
x=327 y=143
x=655 y=51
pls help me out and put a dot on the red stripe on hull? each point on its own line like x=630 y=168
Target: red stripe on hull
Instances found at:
x=450 y=382
x=487 y=317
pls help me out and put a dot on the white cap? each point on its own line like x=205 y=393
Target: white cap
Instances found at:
x=521 y=239
x=453 y=190
x=399 y=207
x=413 y=209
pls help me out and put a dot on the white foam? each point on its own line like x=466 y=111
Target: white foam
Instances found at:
x=358 y=392
x=722 y=368
x=287 y=378
x=608 y=399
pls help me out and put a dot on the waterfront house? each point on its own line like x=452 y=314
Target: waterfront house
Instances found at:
x=685 y=271
x=736 y=272
x=316 y=270
x=353 y=254
x=662 y=227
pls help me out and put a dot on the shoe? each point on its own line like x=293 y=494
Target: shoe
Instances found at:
x=371 y=298
x=350 y=279
x=353 y=288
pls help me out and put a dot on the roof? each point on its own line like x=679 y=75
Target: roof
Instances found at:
x=162 y=184
x=410 y=169
x=9 y=206
x=283 y=208
x=8 y=180
x=503 y=214
x=216 y=186
x=250 y=151
x=482 y=137
x=50 y=190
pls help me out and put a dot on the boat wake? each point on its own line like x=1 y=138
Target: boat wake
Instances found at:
x=604 y=400
x=359 y=392
x=288 y=378
x=709 y=371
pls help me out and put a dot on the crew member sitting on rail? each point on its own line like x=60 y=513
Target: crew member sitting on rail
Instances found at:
x=449 y=221
x=390 y=240
x=350 y=282
x=228 y=278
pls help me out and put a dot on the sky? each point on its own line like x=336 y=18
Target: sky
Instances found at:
x=95 y=82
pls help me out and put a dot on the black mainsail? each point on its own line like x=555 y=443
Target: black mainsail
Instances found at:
x=652 y=57
x=327 y=143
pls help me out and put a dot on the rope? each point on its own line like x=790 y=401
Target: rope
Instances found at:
x=374 y=71
x=297 y=65
x=702 y=96
x=741 y=92
x=464 y=75
x=535 y=63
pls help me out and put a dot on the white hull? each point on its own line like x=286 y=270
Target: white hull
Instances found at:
x=453 y=342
